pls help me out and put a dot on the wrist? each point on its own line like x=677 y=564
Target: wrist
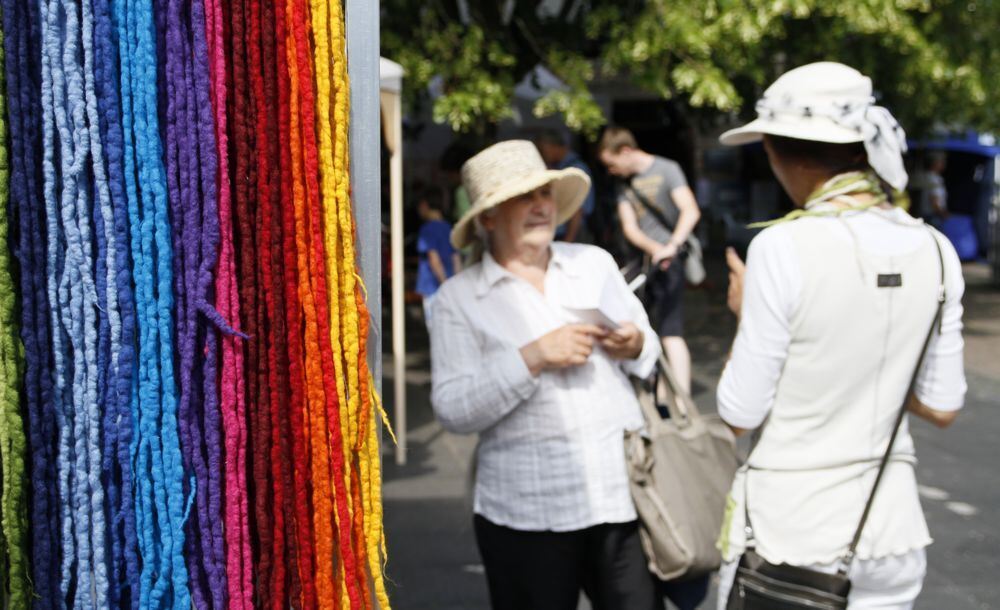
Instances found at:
x=532 y=356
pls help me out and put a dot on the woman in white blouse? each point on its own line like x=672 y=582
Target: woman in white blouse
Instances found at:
x=835 y=305
x=520 y=358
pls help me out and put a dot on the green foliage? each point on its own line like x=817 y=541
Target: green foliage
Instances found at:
x=933 y=61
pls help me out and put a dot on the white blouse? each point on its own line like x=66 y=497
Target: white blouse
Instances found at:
x=550 y=454
x=825 y=350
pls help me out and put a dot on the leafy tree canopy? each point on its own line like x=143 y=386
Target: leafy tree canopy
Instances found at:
x=934 y=62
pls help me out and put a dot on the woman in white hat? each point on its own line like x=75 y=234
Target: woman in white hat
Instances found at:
x=520 y=356
x=836 y=303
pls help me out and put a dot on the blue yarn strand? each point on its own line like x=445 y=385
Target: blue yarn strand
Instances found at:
x=124 y=587
x=23 y=70
x=157 y=458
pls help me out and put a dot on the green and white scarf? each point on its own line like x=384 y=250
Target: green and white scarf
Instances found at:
x=850 y=183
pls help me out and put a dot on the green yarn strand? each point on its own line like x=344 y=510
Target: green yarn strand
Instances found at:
x=13 y=510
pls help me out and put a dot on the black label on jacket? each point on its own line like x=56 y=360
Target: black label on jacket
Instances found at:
x=890 y=280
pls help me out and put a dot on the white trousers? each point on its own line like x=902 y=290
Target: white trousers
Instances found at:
x=887 y=583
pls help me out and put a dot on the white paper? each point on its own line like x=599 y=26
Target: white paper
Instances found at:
x=610 y=312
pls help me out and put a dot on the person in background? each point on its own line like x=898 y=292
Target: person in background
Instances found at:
x=555 y=151
x=658 y=212
x=933 y=200
x=835 y=303
x=547 y=391
x=438 y=258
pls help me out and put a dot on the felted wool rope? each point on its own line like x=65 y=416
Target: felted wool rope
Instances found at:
x=191 y=168
x=327 y=449
x=303 y=193
x=250 y=198
x=105 y=303
x=23 y=70
x=117 y=423
x=304 y=582
x=353 y=316
x=14 y=587
x=285 y=582
x=232 y=383
x=69 y=285
x=344 y=319
x=155 y=447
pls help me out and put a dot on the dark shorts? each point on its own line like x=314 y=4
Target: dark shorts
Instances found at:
x=663 y=299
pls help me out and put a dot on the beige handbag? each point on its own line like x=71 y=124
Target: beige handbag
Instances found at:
x=680 y=472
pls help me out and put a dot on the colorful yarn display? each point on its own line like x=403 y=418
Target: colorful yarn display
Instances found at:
x=186 y=409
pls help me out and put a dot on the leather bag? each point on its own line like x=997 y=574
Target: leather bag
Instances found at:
x=680 y=472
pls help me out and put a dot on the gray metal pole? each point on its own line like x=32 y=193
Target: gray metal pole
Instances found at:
x=365 y=143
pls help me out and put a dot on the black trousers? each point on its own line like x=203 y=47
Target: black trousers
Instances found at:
x=663 y=299
x=547 y=570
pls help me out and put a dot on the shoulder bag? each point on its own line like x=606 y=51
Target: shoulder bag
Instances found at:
x=760 y=585
x=680 y=471
x=690 y=251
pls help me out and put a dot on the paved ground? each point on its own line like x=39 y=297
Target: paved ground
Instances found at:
x=433 y=561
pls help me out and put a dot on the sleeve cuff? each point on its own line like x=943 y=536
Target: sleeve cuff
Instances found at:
x=515 y=375
x=644 y=365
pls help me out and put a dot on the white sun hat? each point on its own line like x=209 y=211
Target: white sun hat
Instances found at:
x=829 y=102
x=508 y=169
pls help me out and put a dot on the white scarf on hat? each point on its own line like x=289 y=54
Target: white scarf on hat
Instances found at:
x=883 y=137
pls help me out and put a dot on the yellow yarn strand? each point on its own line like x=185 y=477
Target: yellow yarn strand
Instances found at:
x=360 y=446
x=322 y=52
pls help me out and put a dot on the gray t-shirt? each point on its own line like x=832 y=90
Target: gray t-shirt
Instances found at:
x=655 y=184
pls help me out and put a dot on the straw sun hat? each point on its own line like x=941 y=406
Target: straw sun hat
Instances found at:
x=508 y=169
x=828 y=102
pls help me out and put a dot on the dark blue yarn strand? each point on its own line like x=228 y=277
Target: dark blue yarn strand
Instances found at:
x=124 y=583
x=109 y=332
x=21 y=25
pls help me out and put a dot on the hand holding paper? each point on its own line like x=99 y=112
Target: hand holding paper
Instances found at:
x=624 y=343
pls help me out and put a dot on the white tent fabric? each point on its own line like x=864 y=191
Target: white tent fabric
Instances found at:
x=390 y=91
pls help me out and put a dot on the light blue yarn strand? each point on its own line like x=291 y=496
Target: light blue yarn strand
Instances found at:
x=103 y=192
x=157 y=450
x=152 y=574
x=53 y=250
x=77 y=302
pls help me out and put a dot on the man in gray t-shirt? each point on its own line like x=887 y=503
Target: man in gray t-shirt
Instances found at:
x=658 y=183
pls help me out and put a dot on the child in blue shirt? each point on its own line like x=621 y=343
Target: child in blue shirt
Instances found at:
x=438 y=258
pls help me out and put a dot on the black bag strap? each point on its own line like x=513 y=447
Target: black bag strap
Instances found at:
x=852 y=549
x=648 y=205
x=942 y=293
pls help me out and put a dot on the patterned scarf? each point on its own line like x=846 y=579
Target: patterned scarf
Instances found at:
x=850 y=183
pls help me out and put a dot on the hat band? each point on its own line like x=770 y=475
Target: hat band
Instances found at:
x=883 y=137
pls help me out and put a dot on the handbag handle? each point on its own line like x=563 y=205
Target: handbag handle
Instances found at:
x=884 y=461
x=680 y=405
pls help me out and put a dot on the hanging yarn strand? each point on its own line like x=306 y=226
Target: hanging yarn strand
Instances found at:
x=118 y=422
x=14 y=586
x=155 y=447
x=21 y=49
x=232 y=383
x=176 y=171
x=304 y=581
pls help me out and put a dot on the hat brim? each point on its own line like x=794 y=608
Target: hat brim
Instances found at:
x=813 y=129
x=569 y=189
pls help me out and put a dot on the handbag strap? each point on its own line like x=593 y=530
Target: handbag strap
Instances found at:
x=852 y=549
x=652 y=209
x=936 y=323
